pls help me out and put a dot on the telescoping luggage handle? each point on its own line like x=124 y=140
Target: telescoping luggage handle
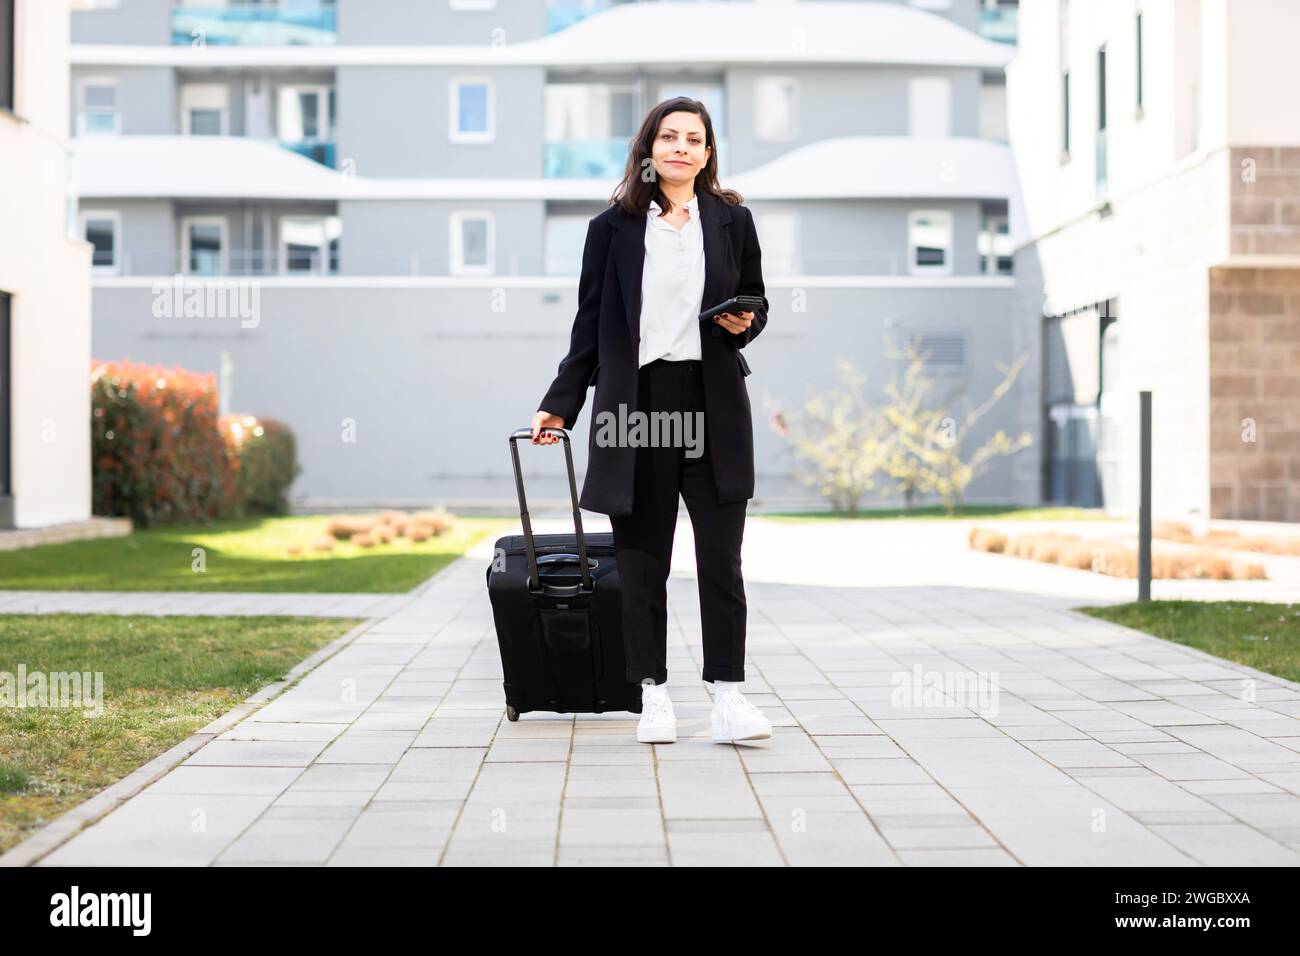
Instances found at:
x=534 y=579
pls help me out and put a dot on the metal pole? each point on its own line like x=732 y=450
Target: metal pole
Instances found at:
x=1144 y=509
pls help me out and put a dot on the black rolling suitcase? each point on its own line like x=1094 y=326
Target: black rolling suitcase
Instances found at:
x=557 y=602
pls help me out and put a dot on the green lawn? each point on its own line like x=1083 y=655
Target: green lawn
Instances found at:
x=163 y=679
x=246 y=555
x=937 y=512
x=1263 y=636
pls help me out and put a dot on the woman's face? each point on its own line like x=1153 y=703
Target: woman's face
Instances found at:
x=679 y=147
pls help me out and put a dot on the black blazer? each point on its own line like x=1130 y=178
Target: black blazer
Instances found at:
x=605 y=343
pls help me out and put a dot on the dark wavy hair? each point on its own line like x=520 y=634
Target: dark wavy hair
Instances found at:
x=634 y=193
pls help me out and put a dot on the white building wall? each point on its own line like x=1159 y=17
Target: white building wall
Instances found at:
x=48 y=276
x=1263 y=71
x=1167 y=221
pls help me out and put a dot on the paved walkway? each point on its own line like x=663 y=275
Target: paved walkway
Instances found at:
x=1105 y=746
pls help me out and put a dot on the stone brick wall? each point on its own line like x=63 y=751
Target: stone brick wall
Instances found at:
x=1255 y=387
x=1265 y=201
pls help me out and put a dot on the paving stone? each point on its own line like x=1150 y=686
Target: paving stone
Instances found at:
x=915 y=838
x=258 y=753
x=1227 y=845
x=167 y=829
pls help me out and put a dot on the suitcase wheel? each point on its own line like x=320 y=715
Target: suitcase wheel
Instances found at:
x=511 y=713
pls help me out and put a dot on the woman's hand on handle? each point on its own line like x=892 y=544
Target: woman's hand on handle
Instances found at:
x=542 y=420
x=735 y=324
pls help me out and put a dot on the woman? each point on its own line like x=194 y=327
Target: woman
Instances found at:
x=671 y=245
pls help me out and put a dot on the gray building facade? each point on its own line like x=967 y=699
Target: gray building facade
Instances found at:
x=405 y=198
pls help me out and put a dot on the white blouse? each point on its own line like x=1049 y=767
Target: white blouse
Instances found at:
x=672 y=284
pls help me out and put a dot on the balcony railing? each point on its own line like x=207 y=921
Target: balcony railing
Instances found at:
x=562 y=14
x=534 y=261
x=1000 y=24
x=315 y=150
x=578 y=159
x=302 y=23
x=598 y=158
x=230 y=263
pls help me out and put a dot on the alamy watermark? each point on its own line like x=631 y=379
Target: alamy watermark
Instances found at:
x=75 y=908
x=635 y=429
x=76 y=690
x=187 y=298
x=977 y=691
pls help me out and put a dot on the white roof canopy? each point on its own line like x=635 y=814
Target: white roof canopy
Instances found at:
x=231 y=167
x=638 y=34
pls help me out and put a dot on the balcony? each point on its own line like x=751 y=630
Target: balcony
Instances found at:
x=562 y=14
x=301 y=23
x=598 y=159
x=1000 y=24
x=318 y=151
x=585 y=159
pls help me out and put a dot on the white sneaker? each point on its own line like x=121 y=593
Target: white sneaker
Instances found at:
x=658 y=723
x=734 y=718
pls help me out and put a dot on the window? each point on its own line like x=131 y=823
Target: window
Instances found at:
x=995 y=250
x=1063 y=55
x=779 y=240
x=933 y=4
x=1102 y=161
x=473 y=4
x=929 y=241
x=929 y=103
x=587 y=128
x=205 y=109
x=203 y=245
x=565 y=238
x=7 y=49
x=472 y=119
x=97 y=109
x=1138 y=43
x=1101 y=89
x=310 y=244
x=590 y=112
x=305 y=114
x=776 y=105
x=103 y=230
x=710 y=94
x=471 y=243
x=993 y=111
x=1065 y=116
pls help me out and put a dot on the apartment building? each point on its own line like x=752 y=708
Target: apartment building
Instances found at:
x=403 y=190
x=1158 y=158
x=44 y=280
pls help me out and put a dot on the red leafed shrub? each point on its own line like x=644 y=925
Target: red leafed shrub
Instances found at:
x=157 y=452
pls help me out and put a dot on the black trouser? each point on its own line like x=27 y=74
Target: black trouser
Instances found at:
x=644 y=539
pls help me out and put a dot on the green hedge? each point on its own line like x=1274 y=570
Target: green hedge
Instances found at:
x=268 y=464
